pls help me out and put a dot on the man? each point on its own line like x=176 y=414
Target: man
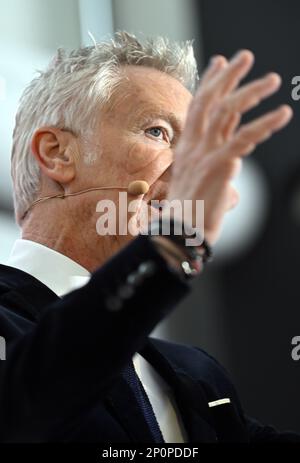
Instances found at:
x=93 y=123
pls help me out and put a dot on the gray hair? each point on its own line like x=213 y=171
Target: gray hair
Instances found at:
x=69 y=93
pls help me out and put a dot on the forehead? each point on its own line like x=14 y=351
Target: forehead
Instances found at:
x=144 y=89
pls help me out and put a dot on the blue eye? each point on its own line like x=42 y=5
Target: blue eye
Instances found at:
x=155 y=132
x=160 y=133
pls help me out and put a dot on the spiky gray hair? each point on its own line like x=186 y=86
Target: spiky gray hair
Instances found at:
x=70 y=92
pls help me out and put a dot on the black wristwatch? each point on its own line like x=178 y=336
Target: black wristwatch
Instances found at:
x=176 y=232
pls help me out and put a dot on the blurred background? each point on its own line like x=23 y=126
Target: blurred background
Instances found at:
x=244 y=308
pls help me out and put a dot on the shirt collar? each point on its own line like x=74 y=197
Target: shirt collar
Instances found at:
x=57 y=271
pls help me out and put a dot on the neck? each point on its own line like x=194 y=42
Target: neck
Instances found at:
x=62 y=228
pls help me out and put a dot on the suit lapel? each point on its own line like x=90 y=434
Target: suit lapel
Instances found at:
x=189 y=395
x=222 y=423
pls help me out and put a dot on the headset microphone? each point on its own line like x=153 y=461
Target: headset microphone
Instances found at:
x=138 y=187
x=135 y=188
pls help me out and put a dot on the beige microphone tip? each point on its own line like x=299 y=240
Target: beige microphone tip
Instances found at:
x=138 y=187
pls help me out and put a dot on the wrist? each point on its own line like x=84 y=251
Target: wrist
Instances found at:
x=177 y=260
x=189 y=260
x=189 y=239
x=170 y=252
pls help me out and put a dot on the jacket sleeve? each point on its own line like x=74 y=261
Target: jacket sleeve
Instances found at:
x=67 y=361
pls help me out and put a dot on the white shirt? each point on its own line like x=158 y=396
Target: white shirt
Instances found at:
x=62 y=275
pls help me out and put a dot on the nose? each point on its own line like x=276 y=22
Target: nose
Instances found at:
x=166 y=176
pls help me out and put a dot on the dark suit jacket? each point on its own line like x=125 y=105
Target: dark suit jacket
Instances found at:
x=61 y=378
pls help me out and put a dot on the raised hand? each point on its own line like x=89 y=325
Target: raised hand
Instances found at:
x=213 y=143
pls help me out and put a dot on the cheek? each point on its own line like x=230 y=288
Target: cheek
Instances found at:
x=145 y=158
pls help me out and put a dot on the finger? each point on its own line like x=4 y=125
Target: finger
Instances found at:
x=231 y=76
x=231 y=125
x=217 y=63
x=227 y=117
x=257 y=131
x=251 y=95
x=210 y=93
x=220 y=130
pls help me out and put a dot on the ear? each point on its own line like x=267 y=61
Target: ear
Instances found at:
x=53 y=151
